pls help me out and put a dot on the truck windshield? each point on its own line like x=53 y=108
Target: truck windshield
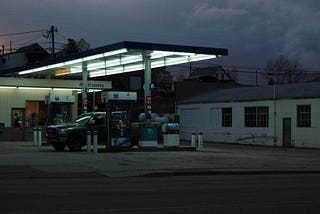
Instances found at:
x=83 y=119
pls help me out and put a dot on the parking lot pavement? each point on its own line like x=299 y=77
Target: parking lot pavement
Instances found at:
x=22 y=159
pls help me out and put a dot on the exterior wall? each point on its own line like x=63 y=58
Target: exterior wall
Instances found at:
x=16 y=98
x=14 y=60
x=208 y=119
x=301 y=137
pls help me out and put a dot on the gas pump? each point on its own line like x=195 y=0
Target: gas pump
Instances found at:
x=170 y=132
x=120 y=126
x=119 y=105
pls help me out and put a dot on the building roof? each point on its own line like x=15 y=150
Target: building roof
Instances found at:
x=258 y=93
x=210 y=74
x=188 y=89
x=34 y=48
x=206 y=71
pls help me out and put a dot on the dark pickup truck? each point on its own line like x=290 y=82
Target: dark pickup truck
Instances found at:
x=73 y=135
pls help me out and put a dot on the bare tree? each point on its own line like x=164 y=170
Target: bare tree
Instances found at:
x=282 y=70
x=163 y=81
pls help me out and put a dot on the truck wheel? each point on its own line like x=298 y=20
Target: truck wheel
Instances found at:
x=59 y=146
x=74 y=143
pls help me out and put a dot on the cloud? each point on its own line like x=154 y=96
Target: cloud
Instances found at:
x=302 y=41
x=253 y=30
x=204 y=11
x=257 y=30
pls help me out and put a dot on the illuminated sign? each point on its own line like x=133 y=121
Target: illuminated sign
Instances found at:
x=118 y=96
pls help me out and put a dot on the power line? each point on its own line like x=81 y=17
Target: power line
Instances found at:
x=234 y=68
x=21 y=33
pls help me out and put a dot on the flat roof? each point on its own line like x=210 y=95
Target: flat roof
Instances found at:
x=118 y=58
x=257 y=93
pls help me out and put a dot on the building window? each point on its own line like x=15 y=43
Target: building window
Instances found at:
x=303 y=115
x=226 y=117
x=257 y=116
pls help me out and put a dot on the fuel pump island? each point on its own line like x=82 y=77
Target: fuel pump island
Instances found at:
x=115 y=128
x=147 y=133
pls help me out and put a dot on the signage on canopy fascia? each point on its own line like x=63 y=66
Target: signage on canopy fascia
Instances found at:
x=98 y=84
x=115 y=96
x=59 y=99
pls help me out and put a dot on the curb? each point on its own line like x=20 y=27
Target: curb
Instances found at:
x=146 y=149
x=228 y=172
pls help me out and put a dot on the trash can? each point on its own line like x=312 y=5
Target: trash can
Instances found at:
x=149 y=134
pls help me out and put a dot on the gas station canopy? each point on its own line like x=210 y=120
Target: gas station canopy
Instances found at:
x=120 y=58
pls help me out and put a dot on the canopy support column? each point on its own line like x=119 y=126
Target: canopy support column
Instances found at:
x=84 y=87
x=147 y=81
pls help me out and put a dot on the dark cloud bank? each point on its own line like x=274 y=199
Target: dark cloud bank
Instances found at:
x=253 y=30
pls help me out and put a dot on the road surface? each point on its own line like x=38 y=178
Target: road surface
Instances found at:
x=280 y=193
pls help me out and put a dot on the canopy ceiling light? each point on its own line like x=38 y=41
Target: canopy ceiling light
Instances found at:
x=62 y=72
x=125 y=57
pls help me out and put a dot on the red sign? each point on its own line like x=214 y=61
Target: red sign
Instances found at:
x=148 y=103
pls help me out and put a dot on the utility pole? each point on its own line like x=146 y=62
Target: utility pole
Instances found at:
x=52 y=40
x=1 y=55
x=50 y=33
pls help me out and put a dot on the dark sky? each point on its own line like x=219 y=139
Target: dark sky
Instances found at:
x=253 y=30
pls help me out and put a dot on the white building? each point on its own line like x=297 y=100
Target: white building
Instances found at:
x=278 y=115
x=23 y=56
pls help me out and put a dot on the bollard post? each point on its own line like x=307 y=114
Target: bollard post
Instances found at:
x=193 y=138
x=95 y=141
x=200 y=141
x=39 y=137
x=88 y=141
x=35 y=137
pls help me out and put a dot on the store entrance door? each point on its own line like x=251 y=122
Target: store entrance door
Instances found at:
x=18 y=123
x=286 y=132
x=18 y=117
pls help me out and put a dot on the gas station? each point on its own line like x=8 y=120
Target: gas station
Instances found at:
x=121 y=58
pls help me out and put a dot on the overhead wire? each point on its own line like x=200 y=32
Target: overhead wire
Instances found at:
x=29 y=41
x=21 y=39
x=21 y=33
x=25 y=38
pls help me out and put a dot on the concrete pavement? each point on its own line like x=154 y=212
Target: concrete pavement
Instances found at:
x=22 y=159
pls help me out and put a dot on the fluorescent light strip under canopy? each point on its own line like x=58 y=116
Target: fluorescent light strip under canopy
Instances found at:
x=120 y=65
x=7 y=87
x=73 y=62
x=154 y=64
x=117 y=70
x=39 y=88
x=55 y=89
x=114 y=62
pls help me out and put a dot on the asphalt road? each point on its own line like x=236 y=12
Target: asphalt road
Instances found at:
x=281 y=193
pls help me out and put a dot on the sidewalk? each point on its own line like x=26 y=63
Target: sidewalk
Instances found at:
x=22 y=159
